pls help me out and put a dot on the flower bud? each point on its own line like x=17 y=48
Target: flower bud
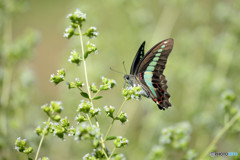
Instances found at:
x=59 y=77
x=109 y=111
x=120 y=142
x=122 y=117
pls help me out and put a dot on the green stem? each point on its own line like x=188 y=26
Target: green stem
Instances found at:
x=88 y=88
x=112 y=152
x=219 y=135
x=41 y=141
x=89 y=120
x=110 y=127
x=84 y=63
x=95 y=94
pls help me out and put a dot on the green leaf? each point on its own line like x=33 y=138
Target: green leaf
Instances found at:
x=86 y=55
x=84 y=94
x=98 y=97
x=111 y=138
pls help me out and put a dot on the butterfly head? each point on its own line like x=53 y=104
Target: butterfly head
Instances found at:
x=129 y=79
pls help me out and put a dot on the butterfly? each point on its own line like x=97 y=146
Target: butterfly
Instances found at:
x=147 y=71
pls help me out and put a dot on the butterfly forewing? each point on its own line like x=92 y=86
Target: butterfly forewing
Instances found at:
x=137 y=58
x=159 y=54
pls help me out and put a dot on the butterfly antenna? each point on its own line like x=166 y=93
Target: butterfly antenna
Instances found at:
x=124 y=66
x=116 y=71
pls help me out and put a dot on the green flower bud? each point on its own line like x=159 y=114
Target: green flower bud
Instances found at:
x=71 y=85
x=109 y=111
x=69 y=32
x=78 y=83
x=20 y=144
x=132 y=92
x=28 y=150
x=94 y=111
x=74 y=57
x=89 y=157
x=46 y=108
x=93 y=88
x=124 y=92
x=77 y=17
x=72 y=131
x=90 y=48
x=120 y=142
x=96 y=143
x=80 y=118
x=104 y=80
x=38 y=131
x=56 y=106
x=59 y=131
x=59 y=77
x=56 y=118
x=122 y=117
x=84 y=107
x=92 y=32
x=65 y=122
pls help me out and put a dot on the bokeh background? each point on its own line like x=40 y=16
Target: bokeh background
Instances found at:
x=203 y=64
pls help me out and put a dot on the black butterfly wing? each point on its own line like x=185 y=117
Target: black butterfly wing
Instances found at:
x=150 y=72
x=138 y=57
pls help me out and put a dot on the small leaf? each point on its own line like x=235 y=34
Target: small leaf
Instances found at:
x=84 y=94
x=86 y=55
x=111 y=138
x=98 y=97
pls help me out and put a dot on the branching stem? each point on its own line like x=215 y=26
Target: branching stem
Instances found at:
x=41 y=141
x=110 y=127
x=88 y=88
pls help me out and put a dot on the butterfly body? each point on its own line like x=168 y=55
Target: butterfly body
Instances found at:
x=147 y=71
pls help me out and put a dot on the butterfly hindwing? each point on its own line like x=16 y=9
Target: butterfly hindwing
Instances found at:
x=137 y=58
x=150 y=72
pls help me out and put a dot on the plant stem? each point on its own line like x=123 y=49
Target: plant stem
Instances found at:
x=112 y=152
x=88 y=89
x=84 y=63
x=219 y=135
x=89 y=120
x=95 y=94
x=41 y=141
x=110 y=127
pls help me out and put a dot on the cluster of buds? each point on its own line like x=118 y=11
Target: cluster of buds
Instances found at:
x=90 y=49
x=59 y=77
x=109 y=110
x=85 y=131
x=120 y=142
x=74 y=57
x=107 y=83
x=20 y=146
x=77 y=18
x=76 y=84
x=53 y=110
x=132 y=92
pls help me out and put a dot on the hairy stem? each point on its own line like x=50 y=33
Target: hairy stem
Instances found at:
x=41 y=141
x=219 y=135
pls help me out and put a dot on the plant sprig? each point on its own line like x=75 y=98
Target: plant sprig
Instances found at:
x=88 y=127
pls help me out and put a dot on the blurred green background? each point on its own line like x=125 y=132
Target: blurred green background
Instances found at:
x=203 y=64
